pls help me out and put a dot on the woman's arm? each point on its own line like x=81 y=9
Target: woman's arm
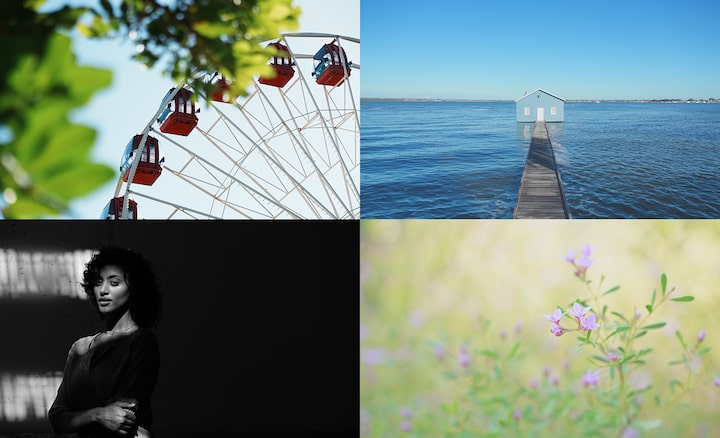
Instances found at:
x=118 y=416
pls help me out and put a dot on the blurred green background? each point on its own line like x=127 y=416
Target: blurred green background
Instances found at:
x=487 y=284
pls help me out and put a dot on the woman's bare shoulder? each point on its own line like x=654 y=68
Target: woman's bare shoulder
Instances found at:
x=80 y=346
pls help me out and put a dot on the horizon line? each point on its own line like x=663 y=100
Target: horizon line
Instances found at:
x=443 y=99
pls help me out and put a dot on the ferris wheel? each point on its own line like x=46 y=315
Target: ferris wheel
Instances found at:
x=289 y=150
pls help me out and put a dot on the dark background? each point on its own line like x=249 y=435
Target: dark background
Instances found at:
x=259 y=330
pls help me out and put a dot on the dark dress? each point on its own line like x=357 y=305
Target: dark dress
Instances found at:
x=124 y=367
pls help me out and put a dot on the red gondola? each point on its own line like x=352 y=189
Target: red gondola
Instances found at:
x=282 y=64
x=331 y=66
x=114 y=208
x=219 y=94
x=149 y=167
x=179 y=117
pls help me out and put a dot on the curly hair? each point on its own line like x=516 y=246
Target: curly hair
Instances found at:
x=145 y=299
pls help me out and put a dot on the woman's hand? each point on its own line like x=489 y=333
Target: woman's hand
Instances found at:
x=118 y=416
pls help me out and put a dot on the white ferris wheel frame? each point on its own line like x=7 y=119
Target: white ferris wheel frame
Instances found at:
x=340 y=200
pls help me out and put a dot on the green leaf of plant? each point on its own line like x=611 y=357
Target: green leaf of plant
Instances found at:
x=513 y=351
x=649 y=308
x=663 y=283
x=619 y=315
x=683 y=299
x=611 y=290
x=600 y=359
x=489 y=353
x=67 y=147
x=654 y=326
x=78 y=181
x=652 y=301
x=680 y=338
x=640 y=334
x=28 y=208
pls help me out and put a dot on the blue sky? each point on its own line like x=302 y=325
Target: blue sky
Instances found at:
x=123 y=109
x=471 y=49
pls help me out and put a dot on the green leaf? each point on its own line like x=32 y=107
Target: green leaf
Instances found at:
x=640 y=334
x=654 y=326
x=680 y=338
x=611 y=335
x=489 y=353
x=663 y=283
x=513 y=351
x=28 y=208
x=683 y=299
x=78 y=181
x=213 y=30
x=623 y=328
x=649 y=308
x=619 y=315
x=652 y=301
x=600 y=358
x=611 y=290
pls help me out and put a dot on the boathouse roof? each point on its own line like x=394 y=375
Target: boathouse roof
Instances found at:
x=541 y=90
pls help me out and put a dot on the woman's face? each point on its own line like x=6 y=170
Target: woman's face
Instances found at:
x=111 y=290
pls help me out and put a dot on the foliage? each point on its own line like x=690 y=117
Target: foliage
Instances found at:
x=194 y=38
x=44 y=158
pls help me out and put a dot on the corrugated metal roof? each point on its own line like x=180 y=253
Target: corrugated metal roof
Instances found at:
x=539 y=89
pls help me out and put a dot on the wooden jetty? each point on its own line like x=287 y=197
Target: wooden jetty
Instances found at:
x=541 y=194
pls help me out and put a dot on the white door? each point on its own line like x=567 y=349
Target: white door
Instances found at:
x=541 y=114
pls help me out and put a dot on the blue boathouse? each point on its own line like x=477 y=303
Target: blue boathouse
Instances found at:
x=540 y=106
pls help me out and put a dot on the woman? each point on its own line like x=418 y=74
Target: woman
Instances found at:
x=109 y=377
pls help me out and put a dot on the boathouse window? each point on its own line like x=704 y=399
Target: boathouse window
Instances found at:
x=527 y=110
x=553 y=110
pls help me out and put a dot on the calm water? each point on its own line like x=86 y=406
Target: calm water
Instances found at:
x=465 y=159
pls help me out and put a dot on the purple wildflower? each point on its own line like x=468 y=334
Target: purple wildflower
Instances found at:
x=503 y=334
x=588 y=323
x=439 y=351
x=517 y=415
x=555 y=317
x=570 y=257
x=578 y=310
x=554 y=380
x=591 y=378
x=630 y=432
x=612 y=356
x=518 y=327
x=406 y=426
x=464 y=358
x=405 y=412
x=717 y=382
x=557 y=330
x=701 y=336
x=585 y=261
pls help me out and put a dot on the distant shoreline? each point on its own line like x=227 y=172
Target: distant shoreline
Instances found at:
x=405 y=99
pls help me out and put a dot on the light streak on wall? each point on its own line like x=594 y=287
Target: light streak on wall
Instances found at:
x=26 y=397
x=42 y=273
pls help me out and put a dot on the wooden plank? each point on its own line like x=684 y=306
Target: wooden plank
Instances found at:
x=541 y=194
